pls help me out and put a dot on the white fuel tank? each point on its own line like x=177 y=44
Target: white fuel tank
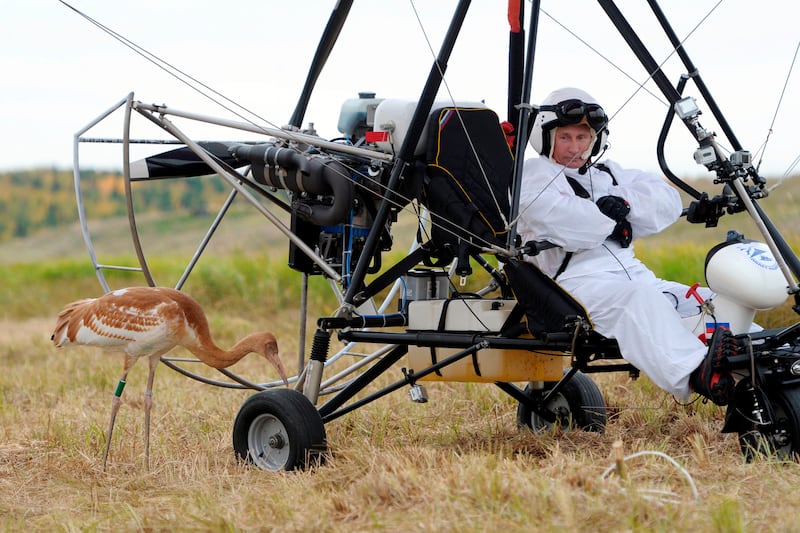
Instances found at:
x=747 y=273
x=393 y=116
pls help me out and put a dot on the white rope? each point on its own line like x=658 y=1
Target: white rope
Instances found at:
x=650 y=493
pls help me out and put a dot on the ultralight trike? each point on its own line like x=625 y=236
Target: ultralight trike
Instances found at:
x=456 y=165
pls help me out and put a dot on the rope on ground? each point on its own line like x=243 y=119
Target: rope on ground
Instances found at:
x=655 y=494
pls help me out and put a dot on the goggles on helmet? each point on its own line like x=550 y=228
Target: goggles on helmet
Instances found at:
x=572 y=112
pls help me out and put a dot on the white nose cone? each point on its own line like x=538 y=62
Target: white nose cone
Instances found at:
x=748 y=273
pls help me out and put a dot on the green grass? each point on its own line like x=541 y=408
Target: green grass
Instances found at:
x=40 y=289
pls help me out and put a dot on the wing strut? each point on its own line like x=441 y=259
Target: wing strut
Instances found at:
x=694 y=74
x=516 y=58
x=524 y=116
x=326 y=42
x=406 y=153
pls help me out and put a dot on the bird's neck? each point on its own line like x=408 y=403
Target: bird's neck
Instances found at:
x=216 y=357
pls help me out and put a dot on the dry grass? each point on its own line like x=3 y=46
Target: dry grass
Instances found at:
x=457 y=463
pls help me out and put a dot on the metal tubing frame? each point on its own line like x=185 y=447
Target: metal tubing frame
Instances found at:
x=76 y=175
x=694 y=74
x=785 y=256
x=126 y=169
x=234 y=180
x=421 y=112
x=523 y=121
x=206 y=238
x=369 y=155
x=327 y=41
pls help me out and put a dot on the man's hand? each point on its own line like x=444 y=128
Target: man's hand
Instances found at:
x=614 y=207
x=622 y=233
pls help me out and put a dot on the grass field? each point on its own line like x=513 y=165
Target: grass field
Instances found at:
x=457 y=463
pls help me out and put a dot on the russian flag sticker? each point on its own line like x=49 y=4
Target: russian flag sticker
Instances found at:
x=710 y=326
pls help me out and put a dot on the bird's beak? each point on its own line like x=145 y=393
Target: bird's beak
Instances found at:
x=274 y=358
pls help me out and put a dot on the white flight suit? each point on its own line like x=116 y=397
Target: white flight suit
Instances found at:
x=624 y=299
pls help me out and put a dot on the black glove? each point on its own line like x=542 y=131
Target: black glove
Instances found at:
x=614 y=207
x=622 y=233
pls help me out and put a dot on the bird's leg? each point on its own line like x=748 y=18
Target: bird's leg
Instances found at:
x=148 y=404
x=115 y=403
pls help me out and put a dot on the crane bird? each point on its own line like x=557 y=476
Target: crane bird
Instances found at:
x=149 y=322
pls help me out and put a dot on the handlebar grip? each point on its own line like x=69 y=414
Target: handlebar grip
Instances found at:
x=534 y=247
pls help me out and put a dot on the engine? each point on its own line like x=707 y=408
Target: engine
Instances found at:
x=333 y=197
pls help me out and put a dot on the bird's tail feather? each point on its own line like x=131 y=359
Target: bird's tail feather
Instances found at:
x=60 y=333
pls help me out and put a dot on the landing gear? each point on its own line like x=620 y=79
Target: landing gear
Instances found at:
x=781 y=438
x=579 y=404
x=279 y=429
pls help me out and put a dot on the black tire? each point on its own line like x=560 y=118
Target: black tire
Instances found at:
x=781 y=440
x=579 y=405
x=279 y=429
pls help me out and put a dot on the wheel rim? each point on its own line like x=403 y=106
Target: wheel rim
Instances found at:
x=558 y=405
x=268 y=442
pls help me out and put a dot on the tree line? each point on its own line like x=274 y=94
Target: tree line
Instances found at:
x=31 y=200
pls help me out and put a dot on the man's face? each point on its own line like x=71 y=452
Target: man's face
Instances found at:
x=570 y=144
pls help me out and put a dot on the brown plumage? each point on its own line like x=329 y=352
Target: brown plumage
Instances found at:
x=149 y=322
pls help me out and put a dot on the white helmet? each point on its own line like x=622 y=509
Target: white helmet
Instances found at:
x=563 y=107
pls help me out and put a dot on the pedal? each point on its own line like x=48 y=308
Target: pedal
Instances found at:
x=418 y=393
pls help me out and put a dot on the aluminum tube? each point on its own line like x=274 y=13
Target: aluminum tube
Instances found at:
x=76 y=174
x=762 y=228
x=281 y=134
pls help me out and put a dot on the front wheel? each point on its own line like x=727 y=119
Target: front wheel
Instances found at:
x=579 y=404
x=781 y=439
x=279 y=429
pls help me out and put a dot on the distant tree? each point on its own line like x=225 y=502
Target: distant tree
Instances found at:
x=192 y=198
x=164 y=200
x=22 y=223
x=36 y=198
x=53 y=216
x=4 y=221
x=218 y=184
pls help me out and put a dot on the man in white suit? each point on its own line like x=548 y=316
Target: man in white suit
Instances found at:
x=593 y=212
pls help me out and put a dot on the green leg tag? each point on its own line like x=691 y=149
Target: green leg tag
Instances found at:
x=120 y=387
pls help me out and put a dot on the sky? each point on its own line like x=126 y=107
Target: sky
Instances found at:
x=59 y=72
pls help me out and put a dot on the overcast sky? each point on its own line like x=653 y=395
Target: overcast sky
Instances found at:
x=59 y=71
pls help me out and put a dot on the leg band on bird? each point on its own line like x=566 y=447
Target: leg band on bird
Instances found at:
x=120 y=387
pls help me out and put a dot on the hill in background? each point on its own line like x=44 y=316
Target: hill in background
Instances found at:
x=40 y=218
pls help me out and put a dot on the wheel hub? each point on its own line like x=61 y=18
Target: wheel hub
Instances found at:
x=276 y=441
x=268 y=442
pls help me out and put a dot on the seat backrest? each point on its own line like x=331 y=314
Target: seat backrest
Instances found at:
x=467 y=179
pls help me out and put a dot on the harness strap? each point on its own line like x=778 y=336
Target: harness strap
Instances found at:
x=581 y=191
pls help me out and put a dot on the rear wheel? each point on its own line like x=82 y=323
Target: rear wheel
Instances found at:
x=279 y=429
x=579 y=404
